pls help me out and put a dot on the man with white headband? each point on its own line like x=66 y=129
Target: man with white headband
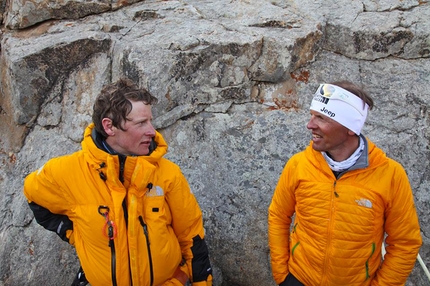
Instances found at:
x=345 y=196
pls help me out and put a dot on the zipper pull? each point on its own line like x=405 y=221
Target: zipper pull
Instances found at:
x=335 y=193
x=101 y=174
x=145 y=228
x=109 y=229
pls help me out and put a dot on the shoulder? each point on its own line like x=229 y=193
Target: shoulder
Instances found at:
x=303 y=157
x=64 y=159
x=169 y=168
x=377 y=156
x=56 y=170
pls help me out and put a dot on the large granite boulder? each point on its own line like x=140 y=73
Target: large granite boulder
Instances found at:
x=234 y=81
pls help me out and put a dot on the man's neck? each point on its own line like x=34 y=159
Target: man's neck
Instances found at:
x=349 y=148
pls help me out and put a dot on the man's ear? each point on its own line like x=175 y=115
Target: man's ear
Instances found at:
x=108 y=127
x=350 y=132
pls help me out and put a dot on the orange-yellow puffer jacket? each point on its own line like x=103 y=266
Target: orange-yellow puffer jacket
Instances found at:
x=339 y=223
x=164 y=220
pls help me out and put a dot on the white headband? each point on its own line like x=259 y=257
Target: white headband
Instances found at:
x=340 y=105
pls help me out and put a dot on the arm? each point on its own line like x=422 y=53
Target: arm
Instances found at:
x=46 y=202
x=188 y=226
x=60 y=224
x=403 y=233
x=280 y=215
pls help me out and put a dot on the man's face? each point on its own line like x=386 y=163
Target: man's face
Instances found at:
x=330 y=136
x=137 y=134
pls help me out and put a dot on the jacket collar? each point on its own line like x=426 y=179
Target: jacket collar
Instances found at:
x=363 y=160
x=93 y=144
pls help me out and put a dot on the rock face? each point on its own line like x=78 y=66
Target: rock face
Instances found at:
x=234 y=81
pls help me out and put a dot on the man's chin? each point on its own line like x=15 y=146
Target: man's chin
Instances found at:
x=143 y=152
x=316 y=147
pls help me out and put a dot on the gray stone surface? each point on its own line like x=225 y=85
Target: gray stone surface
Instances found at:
x=234 y=80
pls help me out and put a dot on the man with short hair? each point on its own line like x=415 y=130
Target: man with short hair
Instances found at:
x=128 y=211
x=345 y=195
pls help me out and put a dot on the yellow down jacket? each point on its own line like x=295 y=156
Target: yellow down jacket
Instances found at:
x=164 y=220
x=339 y=224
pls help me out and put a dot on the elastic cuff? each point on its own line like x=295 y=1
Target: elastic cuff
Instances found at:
x=70 y=236
x=208 y=282
x=173 y=282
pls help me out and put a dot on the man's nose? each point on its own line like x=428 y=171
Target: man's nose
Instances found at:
x=311 y=124
x=151 y=130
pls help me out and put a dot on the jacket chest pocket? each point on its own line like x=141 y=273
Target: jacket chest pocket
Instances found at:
x=357 y=212
x=155 y=209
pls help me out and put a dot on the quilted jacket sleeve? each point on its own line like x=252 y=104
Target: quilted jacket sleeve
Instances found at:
x=403 y=232
x=47 y=202
x=280 y=215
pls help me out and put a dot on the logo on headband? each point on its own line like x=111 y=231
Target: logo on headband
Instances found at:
x=327 y=90
x=321 y=98
x=324 y=93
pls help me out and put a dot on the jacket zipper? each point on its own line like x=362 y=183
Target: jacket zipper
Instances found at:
x=111 y=233
x=336 y=195
x=367 y=261
x=334 y=188
x=113 y=261
x=122 y=160
x=145 y=231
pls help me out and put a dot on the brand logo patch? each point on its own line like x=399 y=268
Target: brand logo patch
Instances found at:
x=321 y=98
x=327 y=90
x=328 y=112
x=364 y=203
x=155 y=192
